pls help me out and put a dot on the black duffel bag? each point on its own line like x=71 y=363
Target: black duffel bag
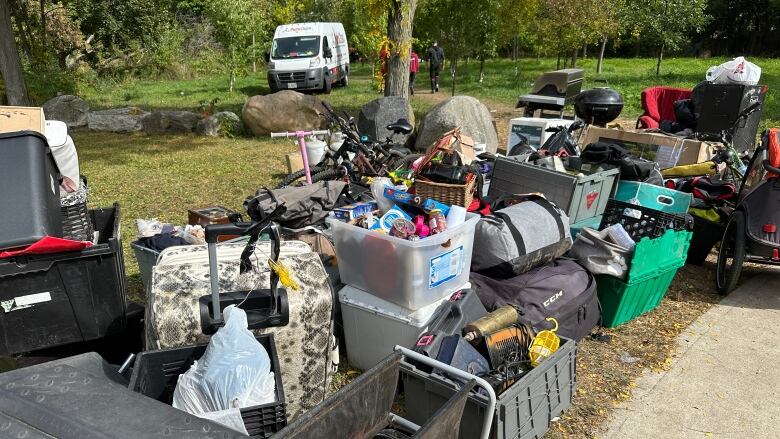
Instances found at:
x=562 y=289
x=632 y=168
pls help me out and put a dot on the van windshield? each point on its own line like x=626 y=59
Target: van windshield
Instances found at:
x=296 y=47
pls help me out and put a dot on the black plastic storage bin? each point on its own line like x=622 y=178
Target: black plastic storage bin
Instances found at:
x=705 y=235
x=651 y=223
x=82 y=397
x=156 y=373
x=523 y=411
x=60 y=298
x=463 y=308
x=29 y=190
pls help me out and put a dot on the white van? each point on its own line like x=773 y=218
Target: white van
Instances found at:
x=308 y=56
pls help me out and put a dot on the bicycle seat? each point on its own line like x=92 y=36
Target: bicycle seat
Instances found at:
x=402 y=126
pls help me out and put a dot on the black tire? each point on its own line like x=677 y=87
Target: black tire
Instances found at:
x=328 y=174
x=731 y=254
x=345 y=80
x=327 y=85
x=297 y=175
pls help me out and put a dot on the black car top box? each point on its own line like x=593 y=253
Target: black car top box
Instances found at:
x=29 y=190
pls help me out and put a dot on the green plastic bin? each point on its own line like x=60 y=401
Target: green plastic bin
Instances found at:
x=653 y=268
x=655 y=197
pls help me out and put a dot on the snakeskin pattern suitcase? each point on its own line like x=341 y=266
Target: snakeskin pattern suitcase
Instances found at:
x=307 y=347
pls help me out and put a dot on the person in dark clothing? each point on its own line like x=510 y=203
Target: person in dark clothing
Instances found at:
x=435 y=58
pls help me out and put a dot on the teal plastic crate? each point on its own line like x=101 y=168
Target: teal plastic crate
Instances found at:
x=654 y=197
x=653 y=267
x=592 y=223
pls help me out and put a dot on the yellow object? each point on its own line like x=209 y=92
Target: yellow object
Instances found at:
x=285 y=277
x=545 y=344
x=705 y=168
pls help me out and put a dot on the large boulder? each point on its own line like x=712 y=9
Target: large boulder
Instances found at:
x=165 y=122
x=118 y=120
x=67 y=108
x=286 y=110
x=224 y=123
x=377 y=114
x=458 y=111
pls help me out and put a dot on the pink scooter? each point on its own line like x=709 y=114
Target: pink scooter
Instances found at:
x=301 y=135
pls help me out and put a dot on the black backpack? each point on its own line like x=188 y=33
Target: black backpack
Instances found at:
x=562 y=289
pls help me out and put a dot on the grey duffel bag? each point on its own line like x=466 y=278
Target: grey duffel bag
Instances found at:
x=520 y=237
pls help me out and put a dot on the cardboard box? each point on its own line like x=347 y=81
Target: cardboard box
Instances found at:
x=667 y=151
x=21 y=119
x=294 y=162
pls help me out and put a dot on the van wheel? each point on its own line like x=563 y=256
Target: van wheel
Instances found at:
x=345 y=80
x=327 y=85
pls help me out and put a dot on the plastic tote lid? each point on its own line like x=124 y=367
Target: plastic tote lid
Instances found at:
x=360 y=299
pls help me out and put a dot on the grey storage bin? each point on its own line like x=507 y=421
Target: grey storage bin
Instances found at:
x=524 y=411
x=30 y=196
x=372 y=326
x=582 y=195
x=147 y=259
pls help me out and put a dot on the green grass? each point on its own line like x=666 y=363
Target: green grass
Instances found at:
x=163 y=176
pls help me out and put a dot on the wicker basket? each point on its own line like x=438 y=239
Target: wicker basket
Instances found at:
x=76 y=222
x=452 y=194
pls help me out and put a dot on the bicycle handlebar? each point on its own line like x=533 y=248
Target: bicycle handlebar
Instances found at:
x=304 y=133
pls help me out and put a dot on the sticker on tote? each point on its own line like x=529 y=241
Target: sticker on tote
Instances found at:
x=446 y=267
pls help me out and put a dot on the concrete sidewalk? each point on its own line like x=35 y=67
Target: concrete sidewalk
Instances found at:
x=725 y=381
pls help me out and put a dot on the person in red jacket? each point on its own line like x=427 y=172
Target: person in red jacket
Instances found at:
x=414 y=67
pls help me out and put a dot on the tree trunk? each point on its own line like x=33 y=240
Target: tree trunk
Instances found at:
x=481 y=70
x=453 y=71
x=10 y=67
x=515 y=43
x=584 y=51
x=574 y=58
x=601 y=55
x=400 y=18
x=660 y=57
x=43 y=26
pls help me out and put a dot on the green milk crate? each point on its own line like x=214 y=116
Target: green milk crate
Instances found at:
x=653 y=268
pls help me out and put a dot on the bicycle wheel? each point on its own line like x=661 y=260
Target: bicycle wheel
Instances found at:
x=297 y=175
x=731 y=254
x=328 y=174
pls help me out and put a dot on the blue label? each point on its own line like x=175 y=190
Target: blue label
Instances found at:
x=446 y=267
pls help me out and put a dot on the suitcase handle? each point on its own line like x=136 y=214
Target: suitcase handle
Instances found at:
x=253 y=230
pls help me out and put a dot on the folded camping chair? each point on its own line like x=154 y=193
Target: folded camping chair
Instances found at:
x=658 y=103
x=361 y=410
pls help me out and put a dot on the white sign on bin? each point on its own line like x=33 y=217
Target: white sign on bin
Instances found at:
x=446 y=267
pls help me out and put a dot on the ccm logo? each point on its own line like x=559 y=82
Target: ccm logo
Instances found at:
x=552 y=299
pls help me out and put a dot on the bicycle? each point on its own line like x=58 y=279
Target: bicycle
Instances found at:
x=358 y=156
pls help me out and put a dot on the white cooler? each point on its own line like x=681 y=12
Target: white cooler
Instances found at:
x=372 y=326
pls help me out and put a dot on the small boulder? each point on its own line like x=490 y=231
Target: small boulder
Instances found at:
x=67 y=108
x=166 y=122
x=286 y=110
x=377 y=114
x=117 y=120
x=224 y=123
x=459 y=111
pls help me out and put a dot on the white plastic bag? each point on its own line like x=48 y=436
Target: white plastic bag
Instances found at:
x=234 y=372
x=378 y=191
x=737 y=71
